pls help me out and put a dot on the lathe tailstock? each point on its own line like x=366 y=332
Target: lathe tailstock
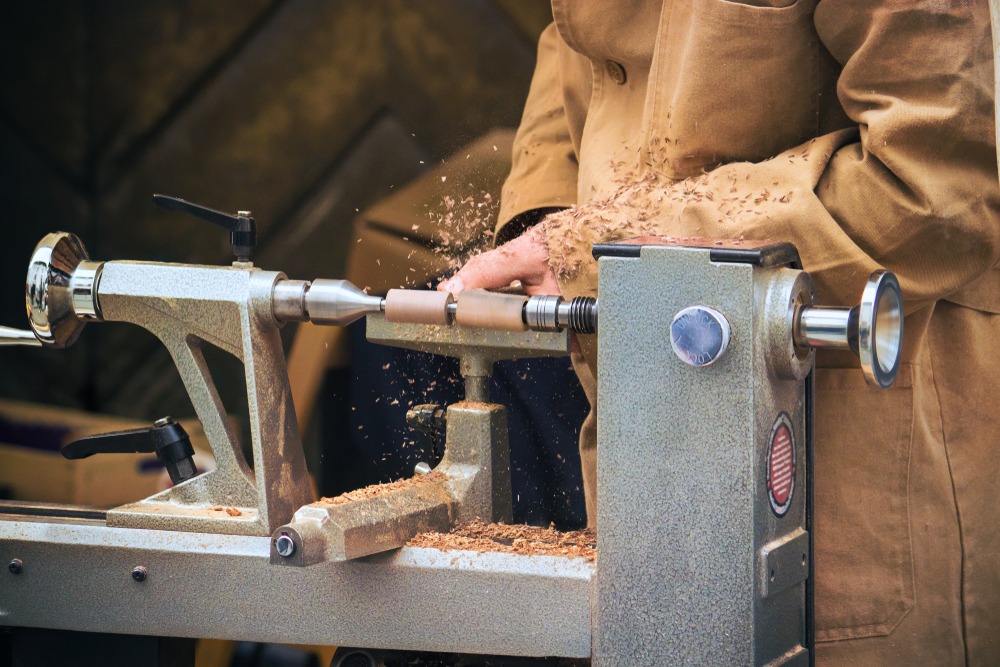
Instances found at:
x=704 y=552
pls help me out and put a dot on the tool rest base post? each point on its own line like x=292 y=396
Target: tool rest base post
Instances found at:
x=476 y=370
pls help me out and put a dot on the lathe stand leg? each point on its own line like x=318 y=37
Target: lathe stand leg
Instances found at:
x=34 y=647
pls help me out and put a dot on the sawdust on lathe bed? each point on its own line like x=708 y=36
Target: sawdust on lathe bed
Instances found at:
x=379 y=489
x=516 y=539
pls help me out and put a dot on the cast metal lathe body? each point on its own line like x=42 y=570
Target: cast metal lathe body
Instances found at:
x=703 y=476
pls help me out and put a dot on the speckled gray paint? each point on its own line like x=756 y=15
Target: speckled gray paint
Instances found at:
x=230 y=308
x=476 y=462
x=475 y=466
x=77 y=576
x=683 y=510
x=474 y=483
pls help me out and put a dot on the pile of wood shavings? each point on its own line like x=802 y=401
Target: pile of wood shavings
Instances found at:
x=516 y=539
x=379 y=489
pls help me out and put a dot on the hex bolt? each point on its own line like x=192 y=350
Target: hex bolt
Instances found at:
x=16 y=566
x=284 y=545
x=139 y=573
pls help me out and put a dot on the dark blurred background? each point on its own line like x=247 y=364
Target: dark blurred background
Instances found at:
x=308 y=113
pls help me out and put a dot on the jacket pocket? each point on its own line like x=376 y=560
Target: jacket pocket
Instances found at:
x=863 y=559
x=730 y=82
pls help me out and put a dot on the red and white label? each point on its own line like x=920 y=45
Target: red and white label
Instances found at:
x=781 y=465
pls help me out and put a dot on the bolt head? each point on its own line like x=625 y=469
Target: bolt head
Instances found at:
x=15 y=566
x=285 y=546
x=139 y=573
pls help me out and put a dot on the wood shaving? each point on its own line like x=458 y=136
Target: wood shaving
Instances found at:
x=517 y=539
x=379 y=489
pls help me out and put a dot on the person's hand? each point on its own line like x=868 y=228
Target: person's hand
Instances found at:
x=525 y=258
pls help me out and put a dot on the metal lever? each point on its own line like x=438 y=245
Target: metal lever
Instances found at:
x=873 y=329
x=241 y=227
x=10 y=336
x=165 y=437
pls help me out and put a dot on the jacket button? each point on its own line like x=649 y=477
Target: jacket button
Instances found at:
x=616 y=72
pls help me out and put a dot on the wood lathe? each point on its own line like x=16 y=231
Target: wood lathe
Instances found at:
x=704 y=552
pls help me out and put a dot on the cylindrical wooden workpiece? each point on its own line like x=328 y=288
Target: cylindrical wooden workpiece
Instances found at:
x=417 y=306
x=489 y=310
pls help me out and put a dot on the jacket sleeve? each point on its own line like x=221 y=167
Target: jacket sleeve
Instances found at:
x=544 y=165
x=913 y=188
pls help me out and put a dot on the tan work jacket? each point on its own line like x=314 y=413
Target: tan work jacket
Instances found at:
x=863 y=133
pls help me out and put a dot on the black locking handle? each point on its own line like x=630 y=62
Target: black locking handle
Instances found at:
x=428 y=421
x=241 y=227
x=165 y=437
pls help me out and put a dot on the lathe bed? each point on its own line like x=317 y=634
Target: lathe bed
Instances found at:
x=78 y=575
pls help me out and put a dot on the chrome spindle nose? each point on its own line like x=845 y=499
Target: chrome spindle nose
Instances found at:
x=61 y=289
